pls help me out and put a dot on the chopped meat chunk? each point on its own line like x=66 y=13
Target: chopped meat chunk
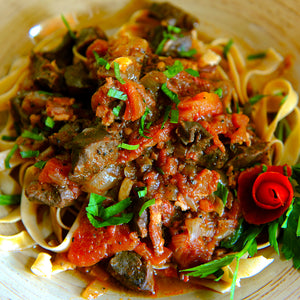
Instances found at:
x=132 y=271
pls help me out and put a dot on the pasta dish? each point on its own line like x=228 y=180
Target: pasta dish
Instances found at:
x=150 y=154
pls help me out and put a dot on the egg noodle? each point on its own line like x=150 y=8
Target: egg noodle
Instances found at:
x=277 y=106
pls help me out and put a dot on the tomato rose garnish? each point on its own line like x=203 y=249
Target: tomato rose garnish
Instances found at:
x=265 y=196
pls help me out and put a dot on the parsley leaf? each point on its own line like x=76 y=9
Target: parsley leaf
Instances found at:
x=258 y=55
x=146 y=205
x=256 y=98
x=108 y=216
x=32 y=135
x=222 y=192
x=10 y=199
x=142 y=124
x=290 y=240
x=128 y=146
x=173 y=70
x=273 y=231
x=227 y=48
x=40 y=164
x=117 y=73
x=10 y=155
x=117 y=94
x=173 y=96
x=71 y=32
x=192 y=72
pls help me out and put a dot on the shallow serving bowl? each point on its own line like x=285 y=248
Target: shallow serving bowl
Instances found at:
x=256 y=25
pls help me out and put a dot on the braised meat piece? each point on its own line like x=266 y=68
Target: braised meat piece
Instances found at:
x=92 y=150
x=45 y=75
x=132 y=271
x=58 y=196
x=173 y=15
x=78 y=81
x=246 y=156
x=87 y=36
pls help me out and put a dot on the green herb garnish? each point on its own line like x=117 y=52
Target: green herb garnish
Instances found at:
x=71 y=32
x=32 y=135
x=188 y=53
x=29 y=153
x=107 y=216
x=173 y=96
x=166 y=116
x=174 y=116
x=227 y=48
x=8 y=138
x=40 y=164
x=258 y=55
x=142 y=191
x=173 y=70
x=128 y=147
x=222 y=192
x=142 y=124
x=49 y=122
x=192 y=72
x=174 y=29
x=101 y=61
x=290 y=236
x=146 y=205
x=273 y=231
x=117 y=94
x=255 y=99
x=10 y=155
x=116 y=110
x=219 y=92
x=10 y=199
x=117 y=73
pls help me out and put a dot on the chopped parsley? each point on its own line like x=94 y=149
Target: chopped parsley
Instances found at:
x=192 y=72
x=128 y=147
x=173 y=70
x=71 y=32
x=40 y=164
x=9 y=156
x=116 y=110
x=100 y=216
x=142 y=191
x=117 y=73
x=117 y=94
x=174 y=29
x=29 y=153
x=166 y=115
x=32 y=135
x=167 y=35
x=173 y=96
x=219 y=92
x=8 y=138
x=189 y=53
x=142 y=124
x=222 y=192
x=146 y=205
x=174 y=116
x=101 y=61
x=49 y=122
x=10 y=199
x=258 y=55
x=253 y=100
x=227 y=48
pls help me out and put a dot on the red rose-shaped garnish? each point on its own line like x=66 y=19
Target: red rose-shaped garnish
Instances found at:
x=264 y=197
